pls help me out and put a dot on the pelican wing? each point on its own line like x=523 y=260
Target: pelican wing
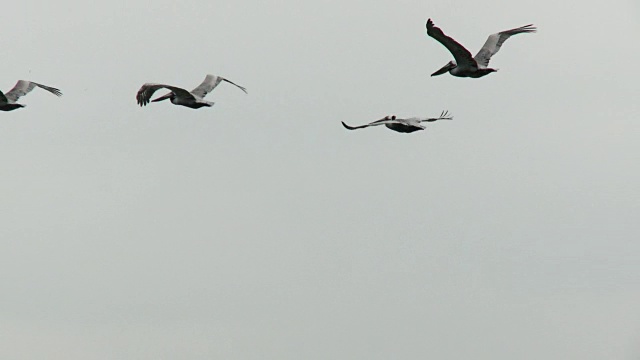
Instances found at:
x=210 y=82
x=383 y=121
x=23 y=87
x=459 y=52
x=494 y=42
x=443 y=116
x=146 y=91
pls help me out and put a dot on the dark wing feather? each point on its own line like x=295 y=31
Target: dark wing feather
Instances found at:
x=146 y=91
x=460 y=53
x=232 y=83
x=354 y=127
x=444 y=115
x=383 y=121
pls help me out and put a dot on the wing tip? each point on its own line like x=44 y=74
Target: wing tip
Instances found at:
x=430 y=24
x=530 y=28
x=51 y=89
x=347 y=126
x=238 y=86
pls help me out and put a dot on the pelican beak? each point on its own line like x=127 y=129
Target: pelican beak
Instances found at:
x=164 y=97
x=443 y=69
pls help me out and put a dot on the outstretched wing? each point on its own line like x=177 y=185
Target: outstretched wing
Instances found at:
x=146 y=91
x=444 y=115
x=459 y=52
x=494 y=42
x=383 y=121
x=210 y=82
x=23 y=87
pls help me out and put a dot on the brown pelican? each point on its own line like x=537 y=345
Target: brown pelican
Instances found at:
x=465 y=65
x=193 y=99
x=22 y=88
x=402 y=125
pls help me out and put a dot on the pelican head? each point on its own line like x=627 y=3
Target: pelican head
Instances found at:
x=170 y=95
x=450 y=65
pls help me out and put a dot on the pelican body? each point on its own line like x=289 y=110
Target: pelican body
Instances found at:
x=408 y=125
x=465 y=65
x=22 y=88
x=190 y=103
x=193 y=99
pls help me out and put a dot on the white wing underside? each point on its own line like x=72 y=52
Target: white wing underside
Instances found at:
x=495 y=41
x=418 y=120
x=24 y=87
x=444 y=115
x=210 y=82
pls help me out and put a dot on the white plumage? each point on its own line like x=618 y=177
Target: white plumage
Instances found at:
x=22 y=88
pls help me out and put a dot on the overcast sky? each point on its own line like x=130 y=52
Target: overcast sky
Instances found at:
x=260 y=228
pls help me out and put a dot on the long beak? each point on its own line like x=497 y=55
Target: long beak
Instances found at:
x=443 y=70
x=163 y=97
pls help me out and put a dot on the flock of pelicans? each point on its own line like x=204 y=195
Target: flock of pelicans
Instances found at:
x=464 y=65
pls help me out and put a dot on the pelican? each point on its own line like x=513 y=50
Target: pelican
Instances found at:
x=402 y=125
x=193 y=99
x=22 y=88
x=465 y=65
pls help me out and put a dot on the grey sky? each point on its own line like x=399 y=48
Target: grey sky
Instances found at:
x=262 y=229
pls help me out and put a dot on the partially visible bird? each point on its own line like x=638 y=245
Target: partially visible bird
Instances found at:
x=193 y=99
x=465 y=65
x=402 y=125
x=22 y=88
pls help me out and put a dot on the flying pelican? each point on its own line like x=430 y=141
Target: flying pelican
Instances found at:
x=465 y=65
x=193 y=99
x=402 y=125
x=22 y=88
